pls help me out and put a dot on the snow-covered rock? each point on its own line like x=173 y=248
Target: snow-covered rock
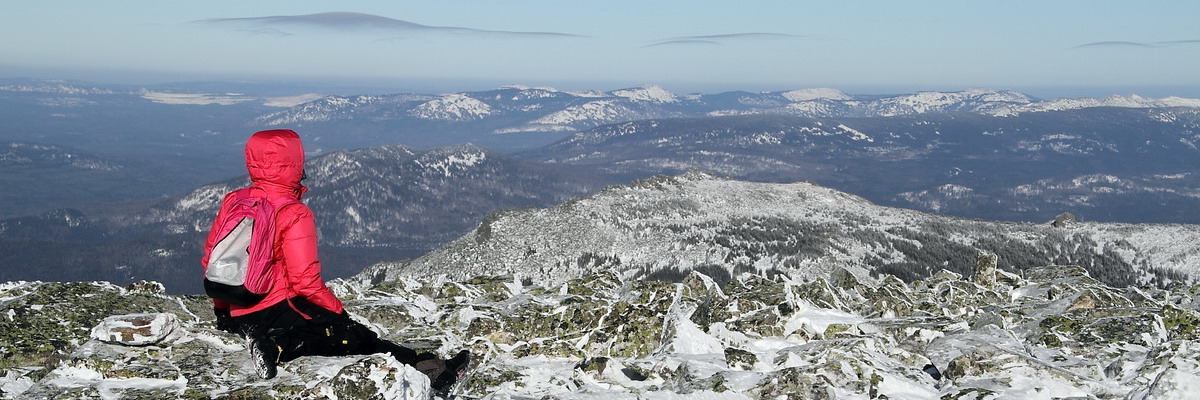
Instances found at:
x=136 y=329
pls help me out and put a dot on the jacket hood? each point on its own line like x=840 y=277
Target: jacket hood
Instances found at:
x=275 y=160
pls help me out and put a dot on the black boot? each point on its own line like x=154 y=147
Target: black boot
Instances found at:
x=455 y=367
x=265 y=355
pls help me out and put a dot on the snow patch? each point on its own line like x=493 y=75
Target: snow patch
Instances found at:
x=854 y=133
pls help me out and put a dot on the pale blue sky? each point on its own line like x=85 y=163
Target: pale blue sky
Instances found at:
x=858 y=46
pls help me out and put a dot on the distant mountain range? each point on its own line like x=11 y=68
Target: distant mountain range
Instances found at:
x=81 y=215
x=1116 y=164
x=525 y=109
x=506 y=119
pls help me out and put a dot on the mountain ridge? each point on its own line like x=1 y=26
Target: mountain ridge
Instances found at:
x=667 y=226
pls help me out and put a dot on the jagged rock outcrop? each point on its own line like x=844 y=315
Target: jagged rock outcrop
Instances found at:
x=1055 y=332
x=1064 y=220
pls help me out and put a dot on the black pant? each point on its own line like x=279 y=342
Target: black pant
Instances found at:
x=325 y=333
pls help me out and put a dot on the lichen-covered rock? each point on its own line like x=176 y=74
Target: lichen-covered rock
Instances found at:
x=738 y=358
x=1054 y=333
x=795 y=384
x=196 y=365
x=985 y=270
x=1181 y=324
x=44 y=321
x=376 y=377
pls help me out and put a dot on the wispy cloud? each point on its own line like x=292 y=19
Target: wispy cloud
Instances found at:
x=350 y=21
x=1175 y=42
x=737 y=36
x=266 y=31
x=688 y=42
x=1114 y=44
x=1119 y=44
x=720 y=39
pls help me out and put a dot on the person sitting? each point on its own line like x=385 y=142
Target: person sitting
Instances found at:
x=300 y=315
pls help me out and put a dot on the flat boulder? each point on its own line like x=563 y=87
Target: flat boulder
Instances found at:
x=136 y=329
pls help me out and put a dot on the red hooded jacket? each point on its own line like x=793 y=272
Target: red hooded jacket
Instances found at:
x=275 y=160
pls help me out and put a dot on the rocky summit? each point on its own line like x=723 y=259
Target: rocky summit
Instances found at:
x=1051 y=332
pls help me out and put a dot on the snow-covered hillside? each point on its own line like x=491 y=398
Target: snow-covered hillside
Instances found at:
x=649 y=93
x=452 y=107
x=1131 y=101
x=331 y=108
x=669 y=225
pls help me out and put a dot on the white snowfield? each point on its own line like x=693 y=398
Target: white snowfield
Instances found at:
x=195 y=98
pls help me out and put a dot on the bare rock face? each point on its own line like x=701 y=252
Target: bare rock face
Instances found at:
x=136 y=329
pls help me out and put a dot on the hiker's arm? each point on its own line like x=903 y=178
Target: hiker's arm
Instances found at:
x=300 y=257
